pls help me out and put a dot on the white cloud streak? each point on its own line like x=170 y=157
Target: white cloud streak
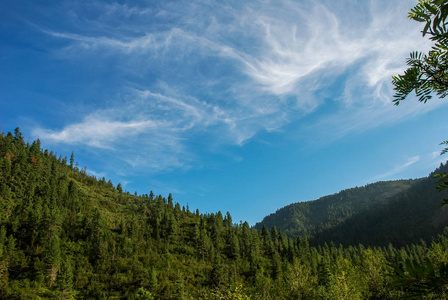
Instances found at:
x=397 y=169
x=96 y=132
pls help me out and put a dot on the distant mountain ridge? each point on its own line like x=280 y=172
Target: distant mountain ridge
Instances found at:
x=396 y=212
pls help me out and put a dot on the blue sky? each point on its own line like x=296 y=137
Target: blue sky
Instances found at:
x=239 y=106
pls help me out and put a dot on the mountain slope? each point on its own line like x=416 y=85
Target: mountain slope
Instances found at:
x=67 y=235
x=376 y=214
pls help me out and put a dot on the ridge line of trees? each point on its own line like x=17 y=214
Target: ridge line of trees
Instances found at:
x=67 y=235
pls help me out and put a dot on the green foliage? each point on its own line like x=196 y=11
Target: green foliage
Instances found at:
x=445 y=150
x=143 y=294
x=427 y=73
x=421 y=278
x=67 y=235
x=235 y=292
x=442 y=184
x=376 y=214
x=119 y=188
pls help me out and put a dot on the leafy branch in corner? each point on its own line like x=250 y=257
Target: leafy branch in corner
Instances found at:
x=446 y=149
x=427 y=73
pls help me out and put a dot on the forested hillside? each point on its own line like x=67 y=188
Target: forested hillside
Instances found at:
x=67 y=235
x=376 y=214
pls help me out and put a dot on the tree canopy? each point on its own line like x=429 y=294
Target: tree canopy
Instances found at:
x=427 y=74
x=67 y=235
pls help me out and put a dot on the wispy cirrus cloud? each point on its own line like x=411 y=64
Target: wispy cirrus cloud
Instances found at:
x=146 y=132
x=419 y=162
x=399 y=168
x=219 y=74
x=96 y=131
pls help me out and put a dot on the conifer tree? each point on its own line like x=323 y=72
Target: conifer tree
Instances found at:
x=65 y=279
x=72 y=159
x=119 y=188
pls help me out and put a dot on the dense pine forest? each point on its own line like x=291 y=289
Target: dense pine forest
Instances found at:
x=377 y=214
x=67 y=235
